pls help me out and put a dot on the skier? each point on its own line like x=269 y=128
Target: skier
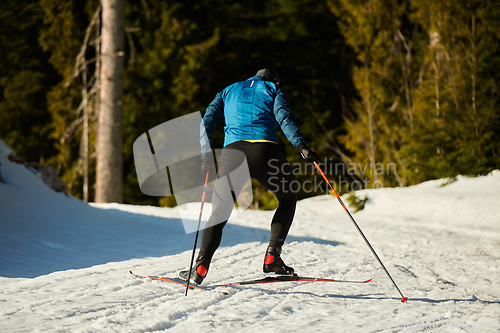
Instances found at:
x=252 y=110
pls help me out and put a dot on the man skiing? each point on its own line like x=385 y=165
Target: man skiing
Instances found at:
x=252 y=110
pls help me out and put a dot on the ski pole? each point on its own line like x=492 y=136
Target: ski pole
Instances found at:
x=403 y=299
x=197 y=232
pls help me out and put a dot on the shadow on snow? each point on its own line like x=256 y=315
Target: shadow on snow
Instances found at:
x=62 y=245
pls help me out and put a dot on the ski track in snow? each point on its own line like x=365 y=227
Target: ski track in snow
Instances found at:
x=64 y=265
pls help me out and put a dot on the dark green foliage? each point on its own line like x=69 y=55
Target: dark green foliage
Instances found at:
x=427 y=79
x=263 y=199
x=60 y=34
x=194 y=49
x=166 y=75
x=168 y=202
x=25 y=80
x=368 y=80
x=355 y=202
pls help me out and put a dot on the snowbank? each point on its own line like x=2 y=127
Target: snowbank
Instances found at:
x=42 y=231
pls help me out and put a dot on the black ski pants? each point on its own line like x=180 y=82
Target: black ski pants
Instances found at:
x=269 y=167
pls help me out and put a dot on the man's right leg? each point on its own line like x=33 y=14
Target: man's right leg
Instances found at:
x=223 y=199
x=210 y=241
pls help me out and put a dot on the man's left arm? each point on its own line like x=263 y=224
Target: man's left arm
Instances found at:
x=286 y=118
x=288 y=123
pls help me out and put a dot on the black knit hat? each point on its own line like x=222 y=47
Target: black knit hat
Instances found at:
x=269 y=74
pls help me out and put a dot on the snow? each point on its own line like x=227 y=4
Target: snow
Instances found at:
x=64 y=264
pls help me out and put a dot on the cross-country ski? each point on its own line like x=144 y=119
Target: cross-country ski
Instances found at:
x=286 y=278
x=265 y=280
x=176 y=281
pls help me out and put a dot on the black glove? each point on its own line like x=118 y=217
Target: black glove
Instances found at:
x=207 y=163
x=308 y=154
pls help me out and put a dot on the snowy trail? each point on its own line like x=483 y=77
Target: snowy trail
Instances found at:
x=105 y=298
x=62 y=271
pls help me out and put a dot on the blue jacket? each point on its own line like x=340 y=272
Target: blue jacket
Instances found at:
x=252 y=109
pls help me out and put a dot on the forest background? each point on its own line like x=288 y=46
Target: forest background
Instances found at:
x=412 y=83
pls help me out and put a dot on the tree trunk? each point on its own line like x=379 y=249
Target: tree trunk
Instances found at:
x=85 y=135
x=369 y=109
x=109 y=136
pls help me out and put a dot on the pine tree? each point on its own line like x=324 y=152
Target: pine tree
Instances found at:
x=383 y=39
x=25 y=78
x=166 y=75
x=457 y=99
x=66 y=34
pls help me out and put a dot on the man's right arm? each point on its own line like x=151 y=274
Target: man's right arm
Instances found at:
x=212 y=117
